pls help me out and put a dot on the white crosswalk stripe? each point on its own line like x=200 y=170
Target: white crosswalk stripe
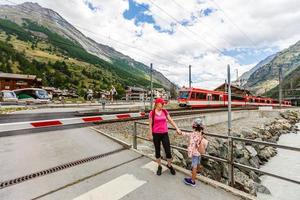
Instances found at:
x=114 y=189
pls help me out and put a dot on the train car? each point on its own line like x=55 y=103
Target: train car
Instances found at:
x=201 y=98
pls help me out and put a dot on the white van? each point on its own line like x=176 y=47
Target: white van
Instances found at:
x=8 y=97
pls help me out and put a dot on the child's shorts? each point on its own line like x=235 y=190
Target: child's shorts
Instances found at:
x=196 y=160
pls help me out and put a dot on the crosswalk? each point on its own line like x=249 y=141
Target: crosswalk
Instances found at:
x=118 y=187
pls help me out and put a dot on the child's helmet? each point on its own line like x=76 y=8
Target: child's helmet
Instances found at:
x=198 y=123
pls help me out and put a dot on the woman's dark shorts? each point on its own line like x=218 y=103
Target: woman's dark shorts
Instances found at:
x=163 y=138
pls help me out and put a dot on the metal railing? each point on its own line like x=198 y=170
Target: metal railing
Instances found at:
x=230 y=157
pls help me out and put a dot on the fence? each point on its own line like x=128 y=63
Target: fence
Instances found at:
x=230 y=157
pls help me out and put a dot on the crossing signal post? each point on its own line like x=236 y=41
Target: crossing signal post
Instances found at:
x=190 y=76
x=230 y=142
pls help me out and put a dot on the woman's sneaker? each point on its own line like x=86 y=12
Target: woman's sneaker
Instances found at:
x=172 y=170
x=159 y=169
x=189 y=181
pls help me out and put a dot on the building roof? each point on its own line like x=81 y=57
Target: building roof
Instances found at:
x=233 y=86
x=17 y=76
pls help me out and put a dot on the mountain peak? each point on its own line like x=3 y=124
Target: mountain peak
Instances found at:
x=30 y=5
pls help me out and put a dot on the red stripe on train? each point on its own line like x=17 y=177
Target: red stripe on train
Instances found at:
x=92 y=119
x=46 y=123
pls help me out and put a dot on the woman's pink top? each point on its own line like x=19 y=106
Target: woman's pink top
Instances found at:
x=160 y=122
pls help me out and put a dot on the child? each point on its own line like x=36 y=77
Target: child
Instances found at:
x=197 y=146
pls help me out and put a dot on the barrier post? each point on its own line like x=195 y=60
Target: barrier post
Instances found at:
x=134 y=138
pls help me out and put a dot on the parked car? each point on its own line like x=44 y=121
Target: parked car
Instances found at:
x=8 y=97
x=32 y=96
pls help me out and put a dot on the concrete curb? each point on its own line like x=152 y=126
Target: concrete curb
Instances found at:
x=206 y=180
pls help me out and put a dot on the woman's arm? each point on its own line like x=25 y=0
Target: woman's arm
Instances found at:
x=173 y=124
x=149 y=136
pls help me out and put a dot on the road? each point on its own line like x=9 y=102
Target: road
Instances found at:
x=121 y=175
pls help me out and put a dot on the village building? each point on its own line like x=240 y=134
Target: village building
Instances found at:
x=9 y=81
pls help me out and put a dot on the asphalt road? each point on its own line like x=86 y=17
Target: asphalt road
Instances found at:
x=122 y=175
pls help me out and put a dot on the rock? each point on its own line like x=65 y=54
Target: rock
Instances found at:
x=225 y=170
x=254 y=177
x=240 y=177
x=223 y=151
x=272 y=151
x=264 y=155
x=249 y=185
x=178 y=154
x=249 y=134
x=258 y=147
x=251 y=150
x=254 y=162
x=243 y=161
x=261 y=189
x=238 y=153
x=246 y=154
x=214 y=170
x=176 y=161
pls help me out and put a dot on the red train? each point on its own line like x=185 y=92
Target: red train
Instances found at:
x=200 y=98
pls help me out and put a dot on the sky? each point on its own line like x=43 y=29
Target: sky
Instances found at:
x=173 y=34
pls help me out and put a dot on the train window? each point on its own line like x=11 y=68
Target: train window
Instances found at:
x=193 y=96
x=215 y=97
x=201 y=96
x=184 y=95
x=238 y=98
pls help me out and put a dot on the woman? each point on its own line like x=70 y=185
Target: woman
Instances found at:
x=158 y=126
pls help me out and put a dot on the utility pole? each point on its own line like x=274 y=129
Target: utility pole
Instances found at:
x=230 y=142
x=190 y=76
x=151 y=85
x=237 y=77
x=280 y=86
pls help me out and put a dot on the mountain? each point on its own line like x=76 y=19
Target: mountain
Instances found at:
x=47 y=26
x=290 y=86
x=245 y=76
x=266 y=76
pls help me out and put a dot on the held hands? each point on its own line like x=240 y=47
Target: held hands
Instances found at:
x=178 y=131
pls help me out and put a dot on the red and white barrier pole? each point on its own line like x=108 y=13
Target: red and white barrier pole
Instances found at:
x=66 y=121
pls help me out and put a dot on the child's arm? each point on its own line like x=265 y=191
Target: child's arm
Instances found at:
x=185 y=133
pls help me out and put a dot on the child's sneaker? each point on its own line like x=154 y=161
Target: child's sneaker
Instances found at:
x=159 y=169
x=172 y=170
x=189 y=181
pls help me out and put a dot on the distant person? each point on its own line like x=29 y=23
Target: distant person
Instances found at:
x=158 y=131
x=197 y=147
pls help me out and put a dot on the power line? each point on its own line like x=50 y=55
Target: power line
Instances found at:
x=191 y=31
x=234 y=24
x=116 y=41
x=200 y=21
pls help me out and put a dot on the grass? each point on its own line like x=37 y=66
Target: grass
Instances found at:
x=7 y=110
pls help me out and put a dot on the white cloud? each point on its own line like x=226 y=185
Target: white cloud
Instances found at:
x=268 y=24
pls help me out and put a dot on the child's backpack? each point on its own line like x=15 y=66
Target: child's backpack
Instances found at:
x=201 y=146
